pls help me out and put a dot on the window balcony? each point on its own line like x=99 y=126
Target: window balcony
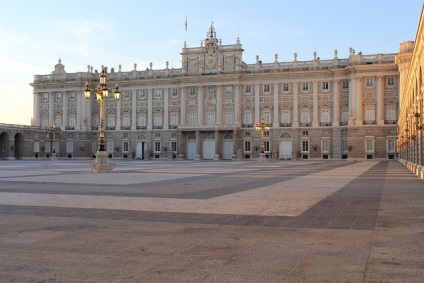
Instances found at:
x=325 y=124
x=157 y=127
x=141 y=127
x=125 y=127
x=305 y=124
x=370 y=122
x=173 y=127
x=70 y=128
x=285 y=124
x=390 y=122
x=110 y=128
x=247 y=125
x=94 y=128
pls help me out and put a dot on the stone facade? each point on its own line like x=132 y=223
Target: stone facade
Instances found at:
x=411 y=117
x=319 y=109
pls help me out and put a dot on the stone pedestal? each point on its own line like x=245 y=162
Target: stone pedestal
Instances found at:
x=262 y=158
x=54 y=156
x=101 y=164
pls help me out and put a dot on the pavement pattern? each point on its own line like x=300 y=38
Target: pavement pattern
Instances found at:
x=211 y=221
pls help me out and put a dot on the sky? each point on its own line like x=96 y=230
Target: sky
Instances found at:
x=35 y=34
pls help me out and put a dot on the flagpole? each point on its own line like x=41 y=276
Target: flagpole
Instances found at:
x=185 y=33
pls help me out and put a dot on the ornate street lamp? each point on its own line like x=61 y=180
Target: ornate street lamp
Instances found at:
x=262 y=126
x=53 y=129
x=101 y=163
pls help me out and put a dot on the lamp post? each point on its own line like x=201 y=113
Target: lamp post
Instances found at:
x=262 y=126
x=101 y=164
x=53 y=129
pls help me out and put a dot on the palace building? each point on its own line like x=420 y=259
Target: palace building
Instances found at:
x=337 y=108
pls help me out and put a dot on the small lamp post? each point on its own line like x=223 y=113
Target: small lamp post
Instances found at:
x=262 y=126
x=101 y=164
x=53 y=129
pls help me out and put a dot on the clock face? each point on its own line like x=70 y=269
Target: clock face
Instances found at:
x=210 y=61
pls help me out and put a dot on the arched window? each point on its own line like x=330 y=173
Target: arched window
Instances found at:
x=325 y=115
x=174 y=119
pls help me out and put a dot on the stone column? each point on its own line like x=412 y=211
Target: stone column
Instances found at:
x=219 y=105
x=276 y=122
x=360 y=105
x=352 y=100
x=200 y=107
x=257 y=117
x=37 y=109
x=198 y=155
x=380 y=101
x=149 y=109
x=315 y=120
x=88 y=115
x=64 y=111
x=217 y=143
x=165 y=109
x=78 y=122
x=336 y=103
x=51 y=109
x=295 y=105
x=237 y=106
x=118 y=115
x=183 y=106
x=133 y=110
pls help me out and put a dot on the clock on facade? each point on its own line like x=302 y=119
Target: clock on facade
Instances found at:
x=210 y=61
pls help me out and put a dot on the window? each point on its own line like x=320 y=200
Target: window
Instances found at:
x=325 y=86
x=69 y=146
x=369 y=145
x=267 y=116
x=266 y=87
x=390 y=81
x=125 y=146
x=248 y=117
x=369 y=82
x=285 y=116
x=158 y=93
x=36 y=146
x=58 y=120
x=345 y=85
x=247 y=146
x=44 y=121
x=157 y=119
x=325 y=115
x=173 y=146
x=141 y=93
x=192 y=91
x=157 y=146
x=305 y=87
x=96 y=121
x=248 y=134
x=391 y=145
x=369 y=113
x=72 y=120
x=174 y=119
x=228 y=118
x=266 y=133
x=45 y=97
x=266 y=146
x=59 y=97
x=345 y=115
x=344 y=146
x=211 y=118
x=324 y=146
x=304 y=116
x=110 y=120
x=305 y=146
x=157 y=135
x=126 y=95
x=248 y=89
x=142 y=121
x=391 y=112
x=174 y=92
x=305 y=133
x=109 y=146
x=73 y=96
x=286 y=88
x=126 y=120
x=192 y=118
x=228 y=90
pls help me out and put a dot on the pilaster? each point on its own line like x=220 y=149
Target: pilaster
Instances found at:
x=276 y=122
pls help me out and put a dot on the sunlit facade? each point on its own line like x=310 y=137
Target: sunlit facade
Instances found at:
x=337 y=108
x=411 y=117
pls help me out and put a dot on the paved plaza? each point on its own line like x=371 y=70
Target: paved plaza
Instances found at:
x=211 y=221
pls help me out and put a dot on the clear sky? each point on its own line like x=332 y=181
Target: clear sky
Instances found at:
x=35 y=34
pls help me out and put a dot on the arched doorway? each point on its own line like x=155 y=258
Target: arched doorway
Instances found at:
x=228 y=147
x=191 y=146
x=17 y=146
x=140 y=147
x=4 y=145
x=286 y=147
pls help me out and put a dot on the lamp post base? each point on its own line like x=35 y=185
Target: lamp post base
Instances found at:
x=262 y=158
x=54 y=156
x=101 y=164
